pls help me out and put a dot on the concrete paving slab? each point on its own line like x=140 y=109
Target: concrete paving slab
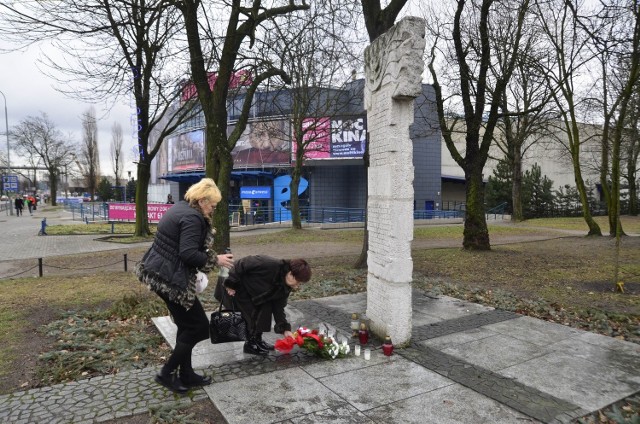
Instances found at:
x=496 y=352
x=623 y=360
x=532 y=330
x=610 y=343
x=346 y=304
x=453 y=404
x=460 y=338
x=419 y=319
x=383 y=383
x=344 y=365
x=283 y=395
x=584 y=383
x=445 y=307
x=345 y=414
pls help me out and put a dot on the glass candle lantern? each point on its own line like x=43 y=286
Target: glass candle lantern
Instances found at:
x=367 y=354
x=356 y=350
x=355 y=325
x=387 y=346
x=363 y=334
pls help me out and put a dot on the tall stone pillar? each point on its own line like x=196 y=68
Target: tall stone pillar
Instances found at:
x=393 y=70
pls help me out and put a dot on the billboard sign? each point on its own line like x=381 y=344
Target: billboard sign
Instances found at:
x=333 y=138
x=127 y=211
x=186 y=152
x=263 y=143
x=238 y=79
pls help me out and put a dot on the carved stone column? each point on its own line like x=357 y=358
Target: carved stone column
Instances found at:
x=393 y=70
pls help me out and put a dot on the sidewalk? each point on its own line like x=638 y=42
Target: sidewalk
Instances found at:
x=467 y=364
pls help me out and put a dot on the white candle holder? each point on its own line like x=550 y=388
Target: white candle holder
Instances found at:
x=367 y=354
x=356 y=350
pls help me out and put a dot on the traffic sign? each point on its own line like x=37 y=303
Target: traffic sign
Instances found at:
x=10 y=183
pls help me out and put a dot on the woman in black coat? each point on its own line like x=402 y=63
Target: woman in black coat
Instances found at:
x=261 y=286
x=182 y=247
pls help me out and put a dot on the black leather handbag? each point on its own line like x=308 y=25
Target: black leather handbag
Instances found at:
x=227 y=325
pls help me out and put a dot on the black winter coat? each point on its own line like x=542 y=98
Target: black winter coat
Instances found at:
x=177 y=252
x=261 y=291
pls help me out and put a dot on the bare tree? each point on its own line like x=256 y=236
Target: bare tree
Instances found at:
x=568 y=52
x=113 y=49
x=89 y=157
x=117 y=160
x=632 y=152
x=227 y=52
x=468 y=55
x=316 y=56
x=614 y=40
x=38 y=137
x=526 y=117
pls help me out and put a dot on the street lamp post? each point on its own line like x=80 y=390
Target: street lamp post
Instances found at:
x=6 y=123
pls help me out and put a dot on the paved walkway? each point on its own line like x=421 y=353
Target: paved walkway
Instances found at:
x=466 y=364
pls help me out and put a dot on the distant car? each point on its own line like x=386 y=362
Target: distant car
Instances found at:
x=4 y=198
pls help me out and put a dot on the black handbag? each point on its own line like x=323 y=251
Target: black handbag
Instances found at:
x=227 y=325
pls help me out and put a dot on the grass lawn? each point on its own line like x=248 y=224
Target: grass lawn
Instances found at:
x=53 y=329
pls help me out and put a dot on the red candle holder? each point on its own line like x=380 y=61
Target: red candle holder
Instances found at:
x=363 y=334
x=387 y=346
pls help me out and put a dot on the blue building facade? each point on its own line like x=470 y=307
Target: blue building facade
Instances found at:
x=334 y=173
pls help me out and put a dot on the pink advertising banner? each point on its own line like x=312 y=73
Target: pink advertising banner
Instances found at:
x=127 y=211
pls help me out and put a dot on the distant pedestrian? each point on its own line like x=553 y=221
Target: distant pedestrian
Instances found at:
x=43 y=227
x=29 y=204
x=170 y=200
x=19 y=205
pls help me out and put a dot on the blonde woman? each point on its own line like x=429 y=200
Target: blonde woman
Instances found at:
x=182 y=247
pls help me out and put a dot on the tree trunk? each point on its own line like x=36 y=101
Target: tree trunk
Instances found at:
x=142 y=185
x=594 y=228
x=476 y=235
x=633 y=188
x=53 y=183
x=296 y=222
x=517 y=214
x=221 y=216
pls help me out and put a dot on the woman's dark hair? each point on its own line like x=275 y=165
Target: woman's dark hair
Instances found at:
x=300 y=270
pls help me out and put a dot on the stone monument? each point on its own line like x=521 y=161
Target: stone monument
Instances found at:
x=393 y=71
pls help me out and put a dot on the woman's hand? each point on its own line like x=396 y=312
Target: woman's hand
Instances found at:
x=225 y=260
x=288 y=334
x=230 y=292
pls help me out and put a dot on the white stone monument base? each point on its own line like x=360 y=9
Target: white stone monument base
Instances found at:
x=389 y=309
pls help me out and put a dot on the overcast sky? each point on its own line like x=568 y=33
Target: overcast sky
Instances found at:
x=29 y=92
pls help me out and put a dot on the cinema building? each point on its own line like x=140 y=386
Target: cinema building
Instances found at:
x=334 y=174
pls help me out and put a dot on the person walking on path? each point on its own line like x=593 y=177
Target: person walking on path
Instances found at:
x=260 y=287
x=29 y=205
x=182 y=247
x=19 y=205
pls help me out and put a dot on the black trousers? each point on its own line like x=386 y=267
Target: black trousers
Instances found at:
x=193 y=325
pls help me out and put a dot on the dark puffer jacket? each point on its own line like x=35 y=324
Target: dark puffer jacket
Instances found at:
x=261 y=291
x=178 y=251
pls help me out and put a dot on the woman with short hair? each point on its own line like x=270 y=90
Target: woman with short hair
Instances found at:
x=183 y=245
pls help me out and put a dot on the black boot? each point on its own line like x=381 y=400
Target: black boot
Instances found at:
x=251 y=346
x=171 y=382
x=264 y=345
x=167 y=376
x=189 y=377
